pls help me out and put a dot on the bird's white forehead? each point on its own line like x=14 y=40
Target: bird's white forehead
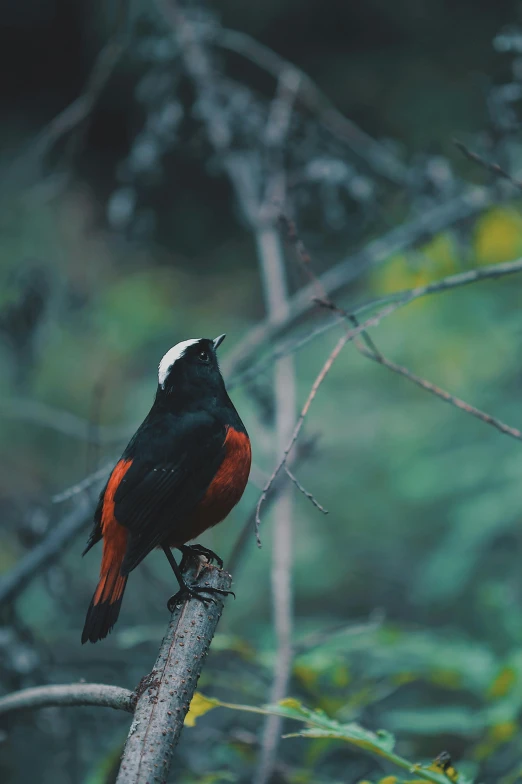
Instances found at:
x=172 y=355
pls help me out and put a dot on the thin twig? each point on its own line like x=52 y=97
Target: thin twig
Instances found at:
x=84 y=484
x=373 y=321
x=473 y=201
x=490 y=166
x=304 y=491
x=97 y=694
x=165 y=695
x=372 y=352
x=304 y=257
x=441 y=393
x=398 y=299
x=499 y=270
x=317 y=383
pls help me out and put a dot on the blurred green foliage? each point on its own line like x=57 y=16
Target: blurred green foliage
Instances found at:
x=424 y=502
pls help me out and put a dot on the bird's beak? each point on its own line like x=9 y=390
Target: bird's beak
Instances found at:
x=218 y=341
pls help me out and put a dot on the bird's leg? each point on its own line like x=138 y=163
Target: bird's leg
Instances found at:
x=187 y=591
x=194 y=551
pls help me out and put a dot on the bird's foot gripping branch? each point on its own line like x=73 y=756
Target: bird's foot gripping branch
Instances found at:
x=164 y=698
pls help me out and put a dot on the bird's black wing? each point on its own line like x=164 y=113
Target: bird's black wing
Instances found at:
x=168 y=477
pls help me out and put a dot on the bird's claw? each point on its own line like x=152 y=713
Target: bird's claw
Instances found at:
x=195 y=550
x=195 y=592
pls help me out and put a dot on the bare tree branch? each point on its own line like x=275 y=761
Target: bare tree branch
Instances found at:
x=490 y=272
x=397 y=299
x=97 y=694
x=473 y=201
x=441 y=393
x=62 y=421
x=372 y=352
x=304 y=491
x=491 y=167
x=165 y=695
x=275 y=289
x=271 y=260
x=317 y=383
x=84 y=484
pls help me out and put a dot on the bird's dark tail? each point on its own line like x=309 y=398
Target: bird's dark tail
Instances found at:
x=106 y=603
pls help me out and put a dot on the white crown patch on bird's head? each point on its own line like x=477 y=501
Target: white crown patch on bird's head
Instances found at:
x=172 y=355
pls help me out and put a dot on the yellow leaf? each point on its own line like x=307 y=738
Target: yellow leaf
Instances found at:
x=290 y=702
x=340 y=676
x=306 y=675
x=198 y=707
x=449 y=679
x=503 y=683
x=503 y=732
x=498 y=236
x=497 y=735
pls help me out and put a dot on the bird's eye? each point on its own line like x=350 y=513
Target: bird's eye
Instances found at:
x=203 y=356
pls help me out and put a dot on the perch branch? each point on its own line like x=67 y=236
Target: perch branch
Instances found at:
x=165 y=695
x=97 y=694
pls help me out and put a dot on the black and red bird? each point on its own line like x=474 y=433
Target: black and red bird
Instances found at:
x=182 y=472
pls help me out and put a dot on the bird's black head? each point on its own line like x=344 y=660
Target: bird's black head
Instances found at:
x=189 y=372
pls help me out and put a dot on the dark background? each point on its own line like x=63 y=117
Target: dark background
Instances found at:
x=424 y=502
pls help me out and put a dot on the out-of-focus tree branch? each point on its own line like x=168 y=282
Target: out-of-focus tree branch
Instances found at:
x=379 y=159
x=491 y=167
x=94 y=694
x=275 y=290
x=260 y=203
x=63 y=422
x=47 y=551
